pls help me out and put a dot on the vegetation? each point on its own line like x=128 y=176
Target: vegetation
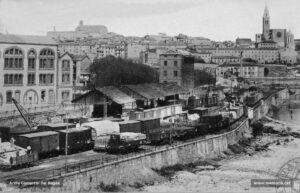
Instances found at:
x=202 y=77
x=249 y=60
x=117 y=71
x=108 y=187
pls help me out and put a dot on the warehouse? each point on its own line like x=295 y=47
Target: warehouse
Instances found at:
x=107 y=101
x=155 y=95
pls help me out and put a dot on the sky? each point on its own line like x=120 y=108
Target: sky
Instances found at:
x=215 y=19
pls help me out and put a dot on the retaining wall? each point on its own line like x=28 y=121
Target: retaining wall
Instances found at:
x=265 y=104
x=118 y=172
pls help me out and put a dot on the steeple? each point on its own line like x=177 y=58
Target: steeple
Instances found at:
x=266 y=23
x=266 y=12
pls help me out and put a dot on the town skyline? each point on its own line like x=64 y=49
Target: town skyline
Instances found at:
x=139 y=18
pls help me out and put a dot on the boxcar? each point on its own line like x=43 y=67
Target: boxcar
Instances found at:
x=78 y=139
x=55 y=127
x=148 y=124
x=130 y=126
x=76 y=120
x=115 y=142
x=45 y=143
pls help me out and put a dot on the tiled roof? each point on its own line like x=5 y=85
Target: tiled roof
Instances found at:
x=26 y=39
x=110 y=92
x=116 y=95
x=152 y=91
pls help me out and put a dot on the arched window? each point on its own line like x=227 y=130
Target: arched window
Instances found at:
x=47 y=57
x=13 y=58
x=31 y=59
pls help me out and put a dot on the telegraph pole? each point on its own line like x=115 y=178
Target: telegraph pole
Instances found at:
x=66 y=147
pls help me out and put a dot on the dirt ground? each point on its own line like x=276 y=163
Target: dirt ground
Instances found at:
x=236 y=171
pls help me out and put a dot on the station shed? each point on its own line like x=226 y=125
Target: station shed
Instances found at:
x=107 y=101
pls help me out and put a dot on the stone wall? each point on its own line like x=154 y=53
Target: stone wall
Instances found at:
x=274 y=99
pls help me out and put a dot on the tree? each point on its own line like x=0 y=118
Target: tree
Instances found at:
x=111 y=71
x=202 y=77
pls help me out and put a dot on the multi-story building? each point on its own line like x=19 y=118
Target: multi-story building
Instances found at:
x=204 y=55
x=282 y=37
x=73 y=75
x=177 y=68
x=262 y=55
x=93 y=49
x=82 y=31
x=133 y=50
x=29 y=65
x=243 y=42
x=224 y=59
x=244 y=69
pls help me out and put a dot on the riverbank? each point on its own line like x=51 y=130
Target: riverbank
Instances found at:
x=260 y=158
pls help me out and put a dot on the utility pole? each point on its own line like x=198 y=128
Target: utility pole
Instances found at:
x=66 y=147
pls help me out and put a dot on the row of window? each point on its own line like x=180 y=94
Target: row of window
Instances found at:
x=17 y=79
x=175 y=73
x=65 y=95
x=17 y=96
x=17 y=63
x=14 y=59
x=175 y=63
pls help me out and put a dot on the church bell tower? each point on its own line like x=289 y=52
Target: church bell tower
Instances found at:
x=266 y=24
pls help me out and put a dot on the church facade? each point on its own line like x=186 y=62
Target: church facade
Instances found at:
x=280 y=38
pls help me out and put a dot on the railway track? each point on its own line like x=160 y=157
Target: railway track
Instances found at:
x=58 y=163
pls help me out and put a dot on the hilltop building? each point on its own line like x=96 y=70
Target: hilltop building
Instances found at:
x=82 y=31
x=274 y=37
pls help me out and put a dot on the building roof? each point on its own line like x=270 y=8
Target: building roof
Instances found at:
x=225 y=57
x=74 y=130
x=152 y=91
x=116 y=95
x=110 y=92
x=39 y=134
x=239 y=64
x=26 y=39
x=235 y=48
x=79 y=57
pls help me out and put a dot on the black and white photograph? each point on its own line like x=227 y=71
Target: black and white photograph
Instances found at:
x=150 y=96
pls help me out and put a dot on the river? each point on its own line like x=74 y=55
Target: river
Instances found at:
x=236 y=172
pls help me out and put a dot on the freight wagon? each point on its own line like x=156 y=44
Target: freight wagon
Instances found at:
x=167 y=133
x=79 y=139
x=148 y=124
x=12 y=156
x=159 y=112
x=99 y=128
x=130 y=126
x=55 y=127
x=43 y=143
x=119 y=142
x=76 y=120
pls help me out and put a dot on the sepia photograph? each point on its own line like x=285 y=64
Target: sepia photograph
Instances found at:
x=150 y=96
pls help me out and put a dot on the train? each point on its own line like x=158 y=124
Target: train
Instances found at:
x=49 y=139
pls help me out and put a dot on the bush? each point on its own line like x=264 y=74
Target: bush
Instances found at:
x=257 y=129
x=109 y=187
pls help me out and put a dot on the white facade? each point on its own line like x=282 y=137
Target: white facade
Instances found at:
x=28 y=74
